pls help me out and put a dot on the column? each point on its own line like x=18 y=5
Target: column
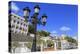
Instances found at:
x=55 y=45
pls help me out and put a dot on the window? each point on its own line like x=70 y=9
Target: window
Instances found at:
x=20 y=28
x=18 y=22
x=17 y=27
x=24 y=24
x=15 y=31
x=12 y=31
x=14 y=21
x=21 y=23
x=21 y=19
x=18 y=17
x=14 y=16
x=12 y=26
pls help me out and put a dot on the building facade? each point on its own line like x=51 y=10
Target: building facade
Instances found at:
x=66 y=44
x=19 y=30
x=18 y=24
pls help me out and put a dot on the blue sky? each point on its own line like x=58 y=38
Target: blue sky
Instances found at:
x=61 y=17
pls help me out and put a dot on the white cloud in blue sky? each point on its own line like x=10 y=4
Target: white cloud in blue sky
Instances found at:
x=54 y=32
x=14 y=7
x=65 y=28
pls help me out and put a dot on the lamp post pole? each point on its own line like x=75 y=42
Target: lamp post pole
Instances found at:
x=34 y=22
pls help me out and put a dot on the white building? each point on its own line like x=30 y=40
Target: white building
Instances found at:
x=18 y=24
x=65 y=44
x=57 y=42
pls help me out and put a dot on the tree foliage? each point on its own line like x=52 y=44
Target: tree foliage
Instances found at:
x=50 y=43
x=31 y=29
x=40 y=41
x=43 y=33
x=70 y=39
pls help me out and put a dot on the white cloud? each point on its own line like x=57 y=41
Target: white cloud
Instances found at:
x=14 y=7
x=54 y=32
x=64 y=28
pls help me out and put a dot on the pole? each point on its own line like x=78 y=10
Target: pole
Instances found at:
x=34 y=39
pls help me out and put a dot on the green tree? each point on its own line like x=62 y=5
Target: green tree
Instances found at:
x=31 y=28
x=43 y=33
x=70 y=39
x=50 y=43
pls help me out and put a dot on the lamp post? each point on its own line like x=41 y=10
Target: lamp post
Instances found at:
x=26 y=12
x=34 y=20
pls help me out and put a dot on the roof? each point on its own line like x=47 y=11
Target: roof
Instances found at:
x=17 y=16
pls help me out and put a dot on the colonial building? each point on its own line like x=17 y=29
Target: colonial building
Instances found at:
x=19 y=38
x=18 y=24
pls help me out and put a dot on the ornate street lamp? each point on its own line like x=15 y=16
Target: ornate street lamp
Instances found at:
x=37 y=9
x=26 y=12
x=34 y=20
x=44 y=17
